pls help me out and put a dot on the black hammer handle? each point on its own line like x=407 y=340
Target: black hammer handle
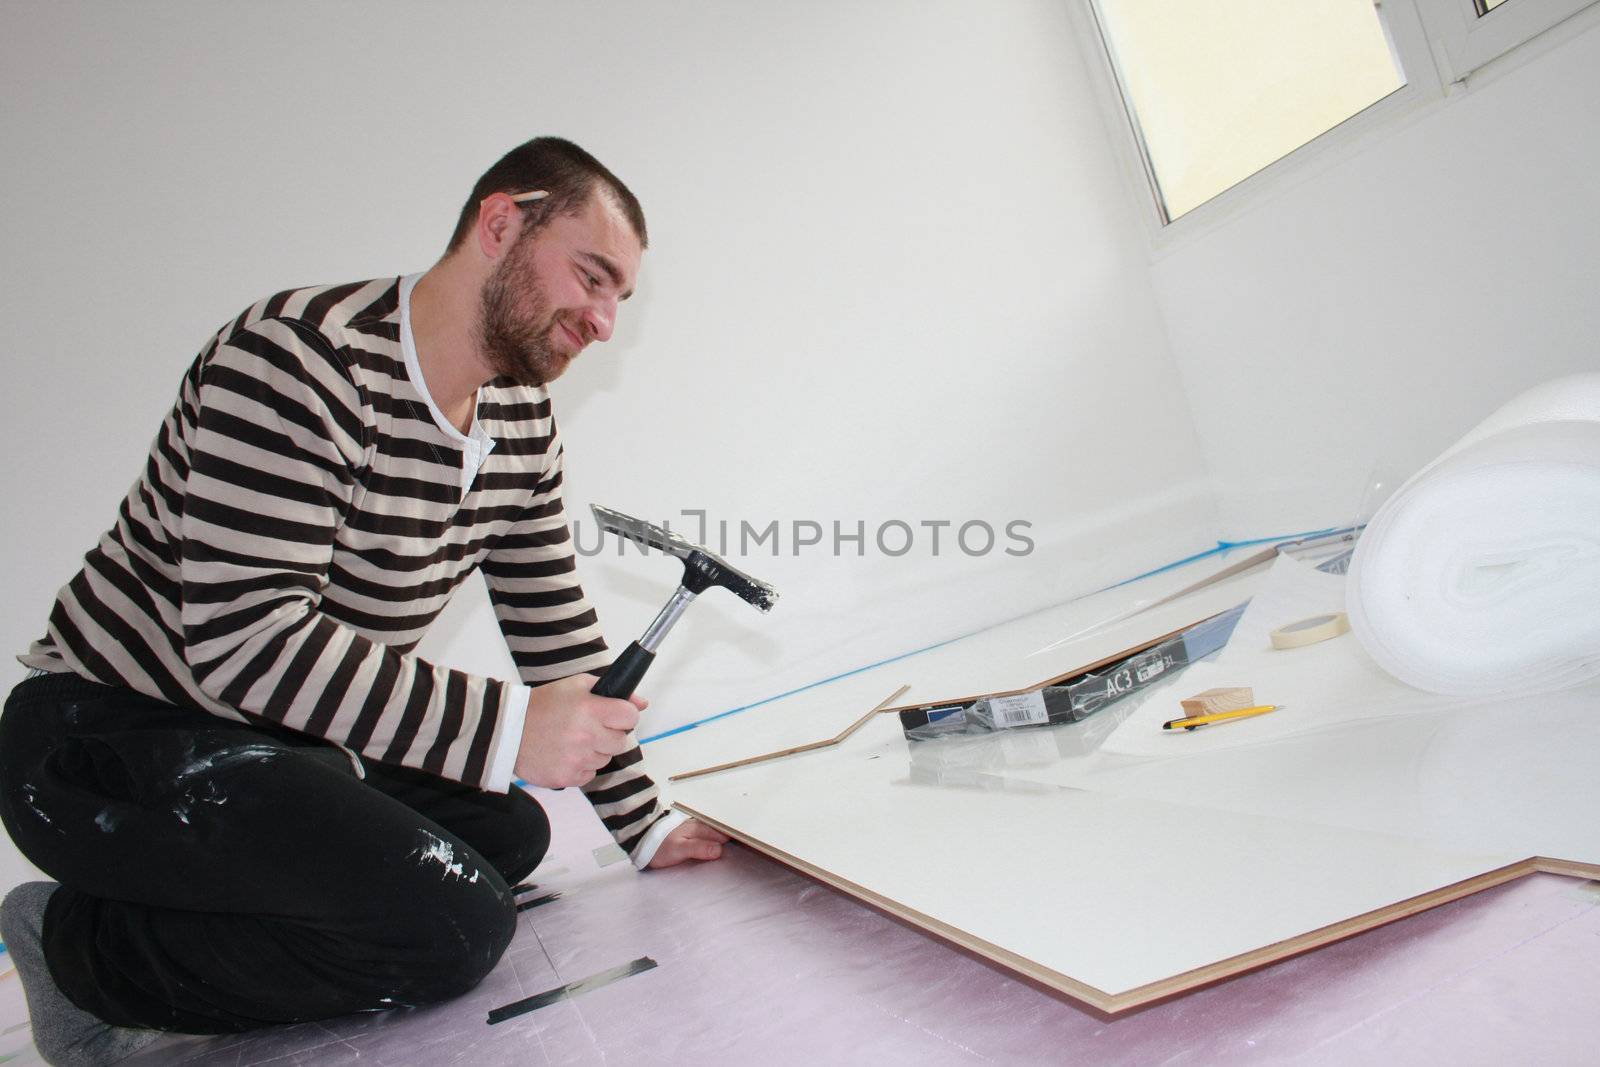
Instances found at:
x=623 y=676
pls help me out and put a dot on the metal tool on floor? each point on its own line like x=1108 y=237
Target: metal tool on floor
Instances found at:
x=701 y=571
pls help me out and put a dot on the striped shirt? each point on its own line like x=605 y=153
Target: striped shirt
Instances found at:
x=301 y=520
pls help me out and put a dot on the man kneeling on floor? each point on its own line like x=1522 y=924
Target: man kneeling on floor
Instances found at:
x=260 y=807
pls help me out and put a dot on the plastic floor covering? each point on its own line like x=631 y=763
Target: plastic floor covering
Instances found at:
x=755 y=961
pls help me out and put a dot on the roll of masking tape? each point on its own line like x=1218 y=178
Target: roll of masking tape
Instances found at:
x=1310 y=631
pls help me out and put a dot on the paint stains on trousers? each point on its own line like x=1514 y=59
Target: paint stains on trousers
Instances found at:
x=218 y=877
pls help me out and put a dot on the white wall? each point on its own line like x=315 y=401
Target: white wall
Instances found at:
x=893 y=276
x=1368 y=316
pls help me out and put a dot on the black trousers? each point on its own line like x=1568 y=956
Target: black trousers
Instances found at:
x=219 y=877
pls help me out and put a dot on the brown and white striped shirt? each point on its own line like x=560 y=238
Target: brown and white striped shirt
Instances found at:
x=302 y=519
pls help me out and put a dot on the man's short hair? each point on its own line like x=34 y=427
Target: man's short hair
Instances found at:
x=560 y=168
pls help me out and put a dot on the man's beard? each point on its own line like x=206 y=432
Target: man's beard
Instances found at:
x=515 y=344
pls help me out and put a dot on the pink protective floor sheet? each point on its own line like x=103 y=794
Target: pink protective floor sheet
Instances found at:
x=756 y=961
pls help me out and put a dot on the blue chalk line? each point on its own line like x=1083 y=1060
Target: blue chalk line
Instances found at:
x=1222 y=546
x=801 y=689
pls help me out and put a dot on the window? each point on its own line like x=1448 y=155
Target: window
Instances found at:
x=1219 y=90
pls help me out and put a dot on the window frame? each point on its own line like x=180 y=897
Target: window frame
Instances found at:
x=1430 y=40
x=1469 y=41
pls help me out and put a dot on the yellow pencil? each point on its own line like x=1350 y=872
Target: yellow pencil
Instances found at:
x=1221 y=716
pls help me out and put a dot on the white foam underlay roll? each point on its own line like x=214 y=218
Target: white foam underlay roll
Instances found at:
x=1481 y=575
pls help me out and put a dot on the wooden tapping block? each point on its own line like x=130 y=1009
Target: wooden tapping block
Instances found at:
x=1216 y=701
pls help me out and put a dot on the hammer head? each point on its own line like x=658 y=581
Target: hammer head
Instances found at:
x=702 y=569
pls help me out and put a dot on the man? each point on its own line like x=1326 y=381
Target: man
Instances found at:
x=259 y=806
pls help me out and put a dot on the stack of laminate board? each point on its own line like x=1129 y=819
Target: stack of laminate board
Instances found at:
x=1121 y=879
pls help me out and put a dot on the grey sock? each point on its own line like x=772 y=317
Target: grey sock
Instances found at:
x=64 y=1033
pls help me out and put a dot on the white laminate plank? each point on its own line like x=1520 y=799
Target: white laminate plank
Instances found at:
x=1125 y=867
x=1520 y=776
x=1114 y=892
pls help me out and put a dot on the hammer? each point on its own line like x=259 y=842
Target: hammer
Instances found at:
x=701 y=571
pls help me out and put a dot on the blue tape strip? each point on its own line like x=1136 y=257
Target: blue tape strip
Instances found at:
x=1222 y=546
x=792 y=692
x=1226 y=546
